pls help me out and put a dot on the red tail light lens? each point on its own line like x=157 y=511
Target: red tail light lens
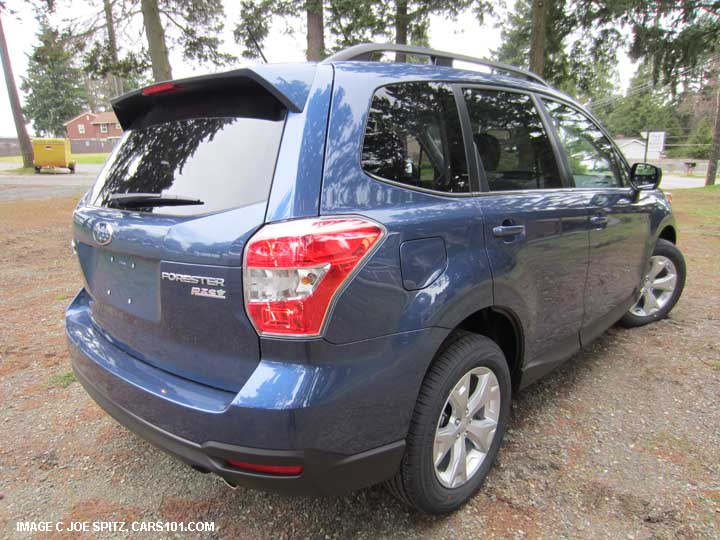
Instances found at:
x=294 y=269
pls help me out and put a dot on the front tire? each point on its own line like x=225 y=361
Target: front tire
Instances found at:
x=458 y=424
x=661 y=286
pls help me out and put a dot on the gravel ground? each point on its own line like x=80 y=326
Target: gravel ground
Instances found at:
x=622 y=442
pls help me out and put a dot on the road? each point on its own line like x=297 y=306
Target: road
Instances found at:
x=15 y=187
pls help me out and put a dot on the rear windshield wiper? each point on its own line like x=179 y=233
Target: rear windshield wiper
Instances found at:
x=147 y=200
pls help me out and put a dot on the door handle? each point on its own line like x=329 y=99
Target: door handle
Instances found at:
x=598 y=221
x=503 y=231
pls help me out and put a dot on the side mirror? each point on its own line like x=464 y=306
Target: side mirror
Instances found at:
x=645 y=177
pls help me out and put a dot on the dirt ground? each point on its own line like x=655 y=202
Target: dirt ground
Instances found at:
x=622 y=442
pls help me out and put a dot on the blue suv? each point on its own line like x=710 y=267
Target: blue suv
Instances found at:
x=317 y=277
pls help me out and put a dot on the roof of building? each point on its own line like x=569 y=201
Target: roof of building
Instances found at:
x=107 y=117
x=78 y=116
x=622 y=141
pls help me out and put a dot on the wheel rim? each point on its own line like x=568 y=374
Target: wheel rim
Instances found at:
x=657 y=287
x=466 y=428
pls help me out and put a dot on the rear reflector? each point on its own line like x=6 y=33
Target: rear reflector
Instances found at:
x=159 y=88
x=280 y=470
x=294 y=269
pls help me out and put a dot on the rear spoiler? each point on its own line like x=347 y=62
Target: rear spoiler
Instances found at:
x=288 y=83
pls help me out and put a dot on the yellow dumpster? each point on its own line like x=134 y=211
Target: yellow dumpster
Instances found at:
x=52 y=153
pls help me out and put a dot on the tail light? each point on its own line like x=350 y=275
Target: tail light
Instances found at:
x=294 y=270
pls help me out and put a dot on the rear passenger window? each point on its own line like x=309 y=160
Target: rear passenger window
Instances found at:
x=413 y=136
x=593 y=161
x=510 y=140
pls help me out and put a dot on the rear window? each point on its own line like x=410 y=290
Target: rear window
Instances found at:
x=225 y=162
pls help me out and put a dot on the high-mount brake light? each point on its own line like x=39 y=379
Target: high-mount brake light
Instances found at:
x=159 y=88
x=294 y=269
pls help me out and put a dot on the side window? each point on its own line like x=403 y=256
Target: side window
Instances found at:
x=413 y=136
x=511 y=141
x=593 y=161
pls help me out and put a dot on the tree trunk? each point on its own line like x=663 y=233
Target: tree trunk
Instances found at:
x=315 y=31
x=156 y=40
x=22 y=135
x=537 y=36
x=715 y=148
x=401 y=27
x=116 y=81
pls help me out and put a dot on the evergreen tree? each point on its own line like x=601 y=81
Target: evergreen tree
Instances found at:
x=674 y=35
x=53 y=85
x=580 y=65
x=642 y=109
x=348 y=22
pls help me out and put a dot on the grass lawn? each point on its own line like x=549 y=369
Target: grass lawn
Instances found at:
x=79 y=158
x=19 y=170
x=698 y=208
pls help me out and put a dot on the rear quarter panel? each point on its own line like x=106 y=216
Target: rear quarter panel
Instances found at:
x=375 y=302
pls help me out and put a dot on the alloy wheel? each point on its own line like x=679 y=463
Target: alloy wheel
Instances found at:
x=466 y=428
x=657 y=287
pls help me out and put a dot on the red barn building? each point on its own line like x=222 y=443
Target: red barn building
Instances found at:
x=93 y=132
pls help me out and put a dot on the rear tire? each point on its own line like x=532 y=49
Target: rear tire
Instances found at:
x=472 y=366
x=656 y=299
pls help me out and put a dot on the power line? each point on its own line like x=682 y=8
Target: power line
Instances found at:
x=603 y=103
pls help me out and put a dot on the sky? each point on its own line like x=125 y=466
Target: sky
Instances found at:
x=463 y=36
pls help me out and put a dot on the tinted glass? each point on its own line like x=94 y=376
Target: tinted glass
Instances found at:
x=413 y=136
x=224 y=162
x=593 y=161
x=511 y=141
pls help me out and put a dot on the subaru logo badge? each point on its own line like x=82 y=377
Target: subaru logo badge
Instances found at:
x=102 y=233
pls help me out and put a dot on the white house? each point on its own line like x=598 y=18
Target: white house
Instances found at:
x=634 y=148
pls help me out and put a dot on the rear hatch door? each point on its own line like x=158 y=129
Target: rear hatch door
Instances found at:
x=160 y=236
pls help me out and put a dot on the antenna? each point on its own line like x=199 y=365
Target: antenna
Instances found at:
x=257 y=45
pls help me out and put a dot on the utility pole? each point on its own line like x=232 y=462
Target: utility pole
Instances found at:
x=22 y=135
x=715 y=148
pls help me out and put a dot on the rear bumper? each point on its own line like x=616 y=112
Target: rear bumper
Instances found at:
x=344 y=422
x=323 y=473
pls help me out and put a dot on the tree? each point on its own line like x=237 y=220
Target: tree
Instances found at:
x=348 y=22
x=538 y=32
x=642 y=109
x=582 y=65
x=53 y=84
x=315 y=30
x=674 y=36
x=155 y=34
x=256 y=16
x=23 y=139
x=193 y=26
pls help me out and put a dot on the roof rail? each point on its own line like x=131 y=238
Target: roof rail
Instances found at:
x=364 y=52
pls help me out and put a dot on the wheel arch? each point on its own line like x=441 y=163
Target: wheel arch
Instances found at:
x=668 y=233
x=500 y=325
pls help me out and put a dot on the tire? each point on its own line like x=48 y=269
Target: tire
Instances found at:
x=418 y=483
x=644 y=312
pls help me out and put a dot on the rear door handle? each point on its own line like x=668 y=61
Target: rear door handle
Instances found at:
x=503 y=231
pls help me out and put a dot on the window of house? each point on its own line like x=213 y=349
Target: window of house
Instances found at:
x=413 y=136
x=117 y=126
x=81 y=129
x=103 y=128
x=511 y=142
x=592 y=158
